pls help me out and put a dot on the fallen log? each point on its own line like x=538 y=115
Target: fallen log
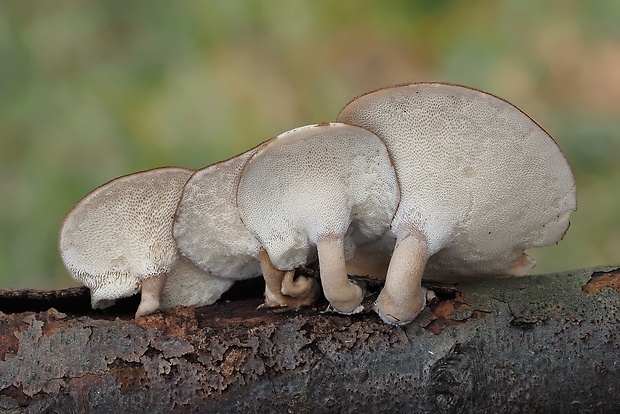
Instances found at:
x=546 y=343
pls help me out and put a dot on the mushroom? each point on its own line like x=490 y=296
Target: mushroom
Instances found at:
x=209 y=232
x=480 y=182
x=328 y=185
x=118 y=240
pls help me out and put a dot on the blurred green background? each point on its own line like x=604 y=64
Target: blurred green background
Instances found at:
x=93 y=90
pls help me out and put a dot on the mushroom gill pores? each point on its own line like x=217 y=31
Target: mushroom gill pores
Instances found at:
x=118 y=241
x=443 y=182
x=209 y=232
x=328 y=186
x=480 y=182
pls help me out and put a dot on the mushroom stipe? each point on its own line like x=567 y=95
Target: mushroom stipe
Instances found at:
x=423 y=181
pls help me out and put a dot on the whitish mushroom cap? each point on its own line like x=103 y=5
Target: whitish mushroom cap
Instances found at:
x=208 y=229
x=121 y=233
x=315 y=182
x=479 y=178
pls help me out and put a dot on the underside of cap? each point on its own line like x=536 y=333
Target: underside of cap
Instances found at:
x=121 y=232
x=477 y=175
x=104 y=290
x=317 y=181
x=208 y=229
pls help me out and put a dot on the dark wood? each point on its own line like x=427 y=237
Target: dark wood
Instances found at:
x=537 y=344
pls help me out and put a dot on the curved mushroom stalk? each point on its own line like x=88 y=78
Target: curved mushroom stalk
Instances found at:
x=480 y=181
x=118 y=239
x=152 y=287
x=281 y=290
x=403 y=298
x=329 y=186
x=343 y=295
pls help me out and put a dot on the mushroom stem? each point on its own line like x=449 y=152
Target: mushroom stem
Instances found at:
x=403 y=298
x=344 y=296
x=152 y=288
x=299 y=287
x=522 y=265
x=276 y=280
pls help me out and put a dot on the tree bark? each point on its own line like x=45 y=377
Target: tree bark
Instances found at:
x=543 y=344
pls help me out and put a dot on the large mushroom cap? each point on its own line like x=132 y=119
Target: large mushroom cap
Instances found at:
x=479 y=178
x=121 y=233
x=208 y=229
x=313 y=182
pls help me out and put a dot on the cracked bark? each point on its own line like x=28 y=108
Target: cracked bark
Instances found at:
x=538 y=344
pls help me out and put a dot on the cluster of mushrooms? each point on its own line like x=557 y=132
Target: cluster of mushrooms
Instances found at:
x=416 y=181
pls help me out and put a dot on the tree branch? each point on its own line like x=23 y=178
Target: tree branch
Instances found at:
x=538 y=344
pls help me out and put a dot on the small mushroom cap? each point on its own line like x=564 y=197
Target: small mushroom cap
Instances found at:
x=479 y=178
x=208 y=229
x=313 y=182
x=121 y=233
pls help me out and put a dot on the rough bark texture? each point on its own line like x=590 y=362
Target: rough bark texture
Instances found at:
x=537 y=344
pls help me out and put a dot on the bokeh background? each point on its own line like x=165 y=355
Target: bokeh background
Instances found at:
x=93 y=90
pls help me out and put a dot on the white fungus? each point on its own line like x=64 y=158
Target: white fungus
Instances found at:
x=480 y=183
x=326 y=186
x=118 y=240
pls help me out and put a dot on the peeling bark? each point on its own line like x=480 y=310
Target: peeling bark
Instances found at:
x=538 y=344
